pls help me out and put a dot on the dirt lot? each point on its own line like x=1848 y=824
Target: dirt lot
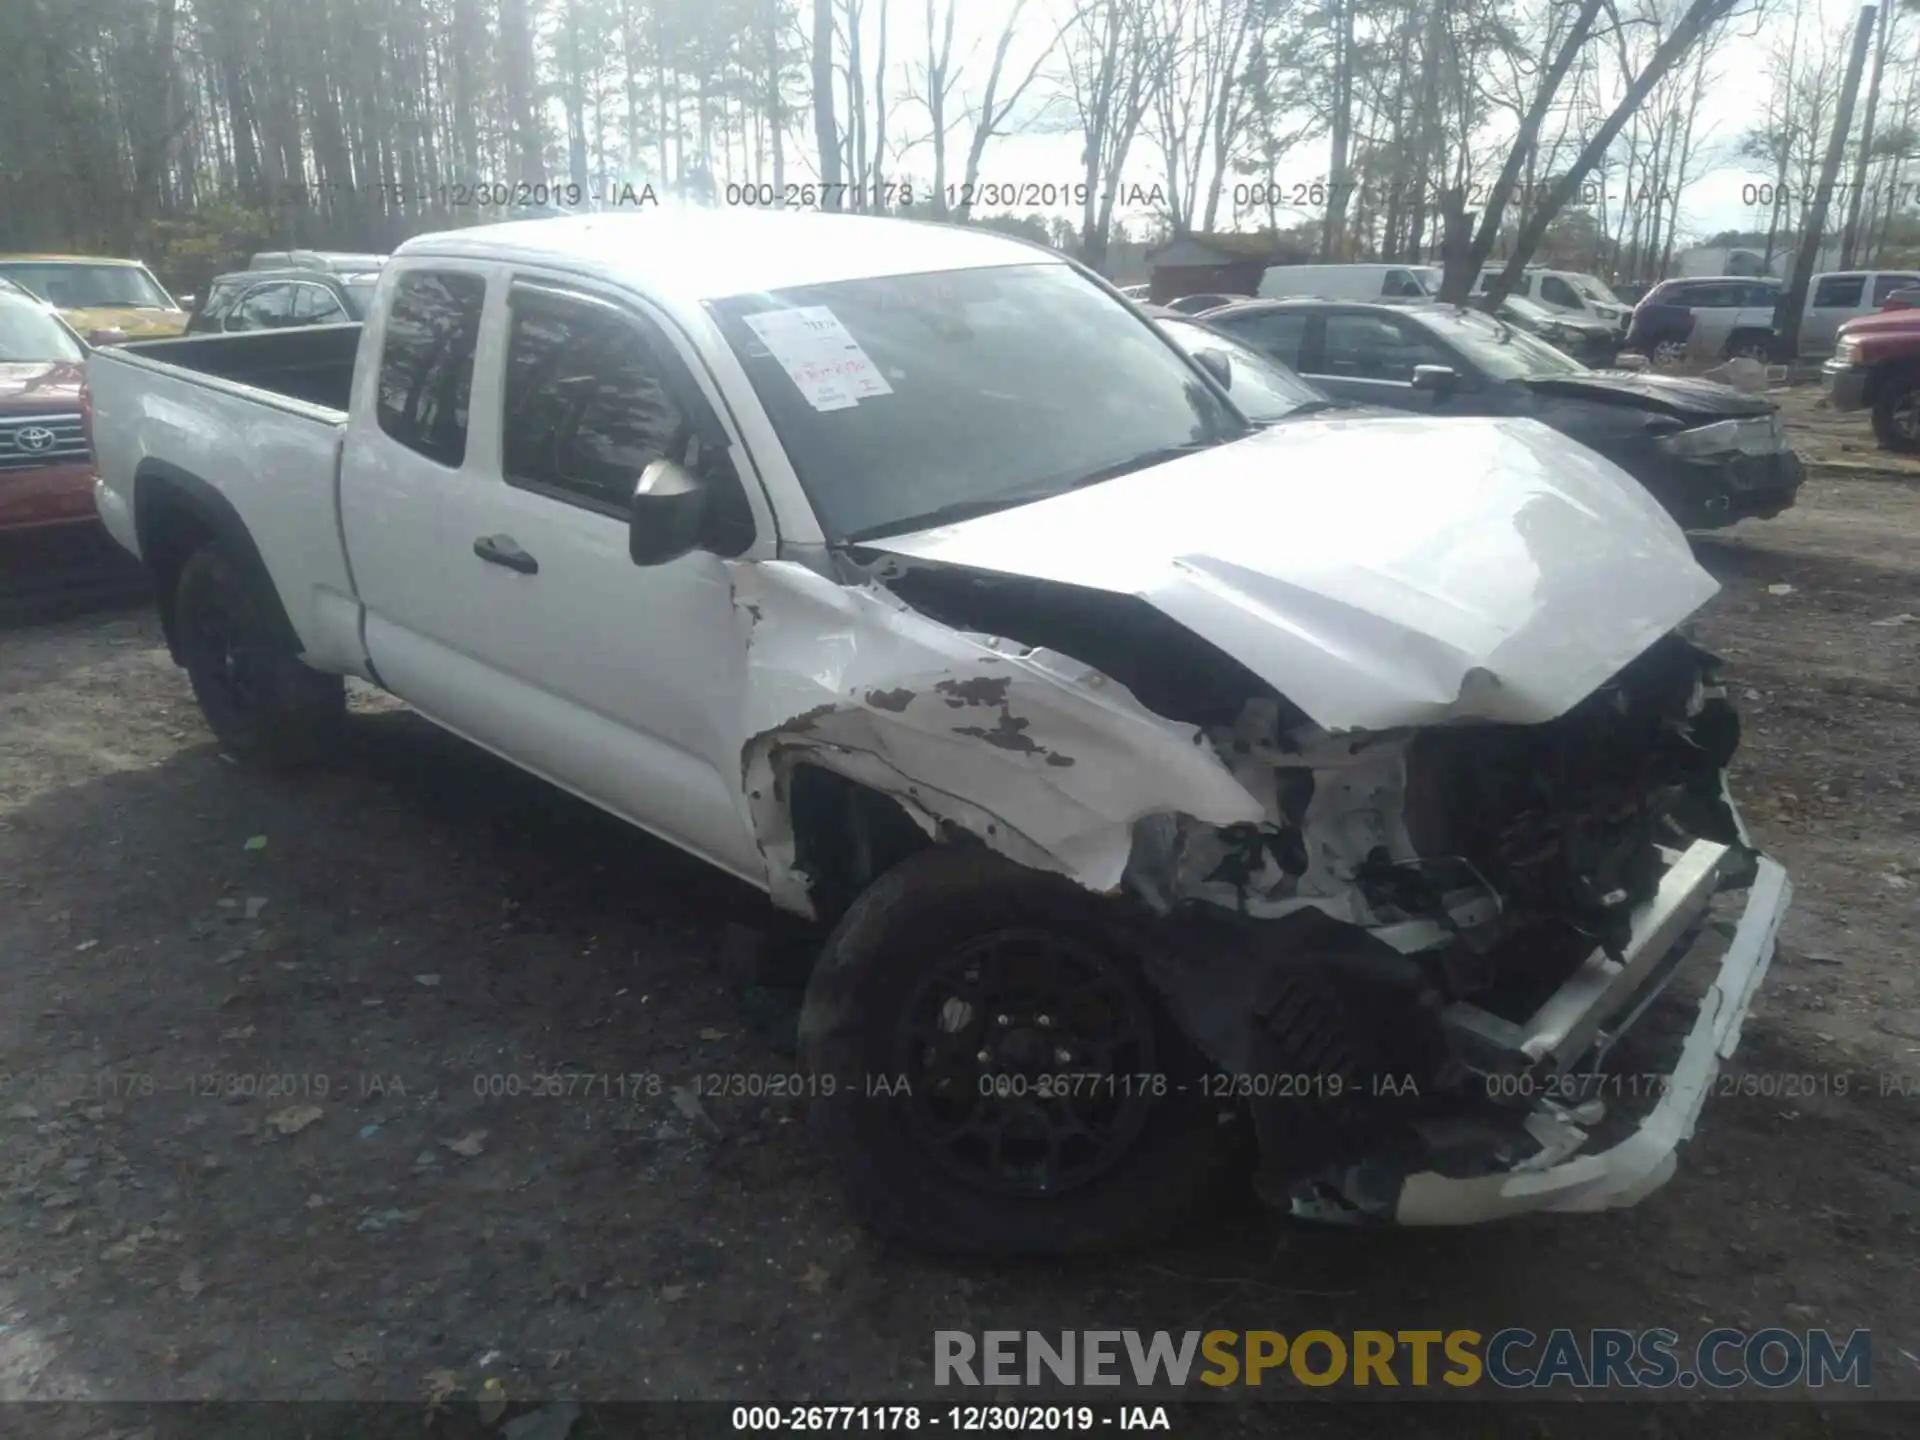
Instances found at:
x=403 y=940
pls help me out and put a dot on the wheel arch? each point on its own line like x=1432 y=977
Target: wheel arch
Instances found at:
x=846 y=834
x=175 y=512
x=1743 y=334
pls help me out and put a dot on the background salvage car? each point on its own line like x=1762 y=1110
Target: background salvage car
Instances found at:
x=1876 y=366
x=1318 y=763
x=46 y=467
x=1709 y=453
x=263 y=299
x=1262 y=389
x=1590 y=341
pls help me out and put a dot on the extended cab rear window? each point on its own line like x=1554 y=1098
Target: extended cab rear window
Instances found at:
x=426 y=365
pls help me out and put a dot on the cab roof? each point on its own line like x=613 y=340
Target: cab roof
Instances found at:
x=708 y=254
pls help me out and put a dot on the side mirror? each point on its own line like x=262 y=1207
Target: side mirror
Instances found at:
x=1216 y=364
x=669 y=515
x=1438 y=378
x=186 y=302
x=106 y=336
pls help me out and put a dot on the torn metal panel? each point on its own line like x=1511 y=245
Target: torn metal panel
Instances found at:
x=1634 y=1168
x=1502 y=577
x=1042 y=758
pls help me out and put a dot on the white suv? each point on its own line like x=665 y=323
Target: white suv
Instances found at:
x=1566 y=290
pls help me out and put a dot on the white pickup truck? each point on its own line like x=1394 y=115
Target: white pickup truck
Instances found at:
x=1153 y=777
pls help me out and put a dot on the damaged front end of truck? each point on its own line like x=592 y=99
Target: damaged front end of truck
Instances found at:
x=1404 y=922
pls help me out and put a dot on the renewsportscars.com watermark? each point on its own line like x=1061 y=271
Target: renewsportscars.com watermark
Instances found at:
x=1509 y=1359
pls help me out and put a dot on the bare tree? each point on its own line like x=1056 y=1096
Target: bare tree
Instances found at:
x=1889 y=18
x=999 y=101
x=826 y=128
x=1700 y=16
x=1114 y=61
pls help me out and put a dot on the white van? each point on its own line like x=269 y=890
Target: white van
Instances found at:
x=1566 y=290
x=1350 y=282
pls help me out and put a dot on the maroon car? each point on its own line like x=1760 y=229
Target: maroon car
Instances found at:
x=46 y=460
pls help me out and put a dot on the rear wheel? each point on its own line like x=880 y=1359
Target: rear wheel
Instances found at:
x=265 y=706
x=1668 y=353
x=1896 y=414
x=1748 y=345
x=1003 y=1079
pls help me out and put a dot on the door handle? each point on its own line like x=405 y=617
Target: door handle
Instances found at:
x=501 y=550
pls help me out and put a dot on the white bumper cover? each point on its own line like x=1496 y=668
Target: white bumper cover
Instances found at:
x=1631 y=1170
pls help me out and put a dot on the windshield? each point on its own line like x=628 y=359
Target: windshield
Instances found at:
x=28 y=332
x=1521 y=308
x=1502 y=350
x=912 y=399
x=1264 y=389
x=1591 y=289
x=73 y=286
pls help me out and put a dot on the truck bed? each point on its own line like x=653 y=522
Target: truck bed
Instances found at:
x=252 y=424
x=309 y=363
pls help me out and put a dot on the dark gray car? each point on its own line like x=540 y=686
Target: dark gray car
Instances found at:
x=282 y=299
x=1709 y=453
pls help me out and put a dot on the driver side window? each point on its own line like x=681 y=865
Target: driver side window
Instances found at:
x=591 y=401
x=586 y=407
x=1373 y=347
x=1556 y=291
x=267 y=307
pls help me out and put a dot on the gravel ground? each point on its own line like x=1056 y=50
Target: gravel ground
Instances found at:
x=381 y=960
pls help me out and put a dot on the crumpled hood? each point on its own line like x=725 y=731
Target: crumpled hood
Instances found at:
x=1378 y=573
x=1677 y=395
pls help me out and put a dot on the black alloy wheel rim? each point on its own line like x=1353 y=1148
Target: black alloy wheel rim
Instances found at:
x=1030 y=1058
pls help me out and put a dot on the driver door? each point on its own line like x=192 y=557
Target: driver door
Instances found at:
x=623 y=683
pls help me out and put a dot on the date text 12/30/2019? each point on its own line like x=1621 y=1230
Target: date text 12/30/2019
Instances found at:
x=955 y=1419
x=979 y=195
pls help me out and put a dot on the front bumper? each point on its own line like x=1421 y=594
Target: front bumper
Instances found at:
x=1574 y=1020
x=58 y=495
x=1705 y=494
x=1846 y=385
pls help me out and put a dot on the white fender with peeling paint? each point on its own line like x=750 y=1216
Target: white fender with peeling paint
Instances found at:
x=1042 y=757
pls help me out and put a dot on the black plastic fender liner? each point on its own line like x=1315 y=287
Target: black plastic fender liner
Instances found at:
x=162 y=490
x=1329 y=1036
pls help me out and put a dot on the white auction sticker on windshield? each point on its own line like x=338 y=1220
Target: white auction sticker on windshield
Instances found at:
x=826 y=362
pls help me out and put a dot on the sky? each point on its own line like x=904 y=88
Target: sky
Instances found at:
x=1721 y=198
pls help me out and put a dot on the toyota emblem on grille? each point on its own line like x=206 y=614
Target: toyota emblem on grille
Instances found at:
x=35 y=438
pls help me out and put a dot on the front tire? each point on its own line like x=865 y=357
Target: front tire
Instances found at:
x=983 y=984
x=1748 y=345
x=1896 y=415
x=264 y=705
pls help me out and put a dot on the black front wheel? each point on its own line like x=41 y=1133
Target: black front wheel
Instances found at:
x=994 y=1075
x=263 y=704
x=1896 y=416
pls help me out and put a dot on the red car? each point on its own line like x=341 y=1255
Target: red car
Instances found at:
x=1876 y=365
x=46 y=460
